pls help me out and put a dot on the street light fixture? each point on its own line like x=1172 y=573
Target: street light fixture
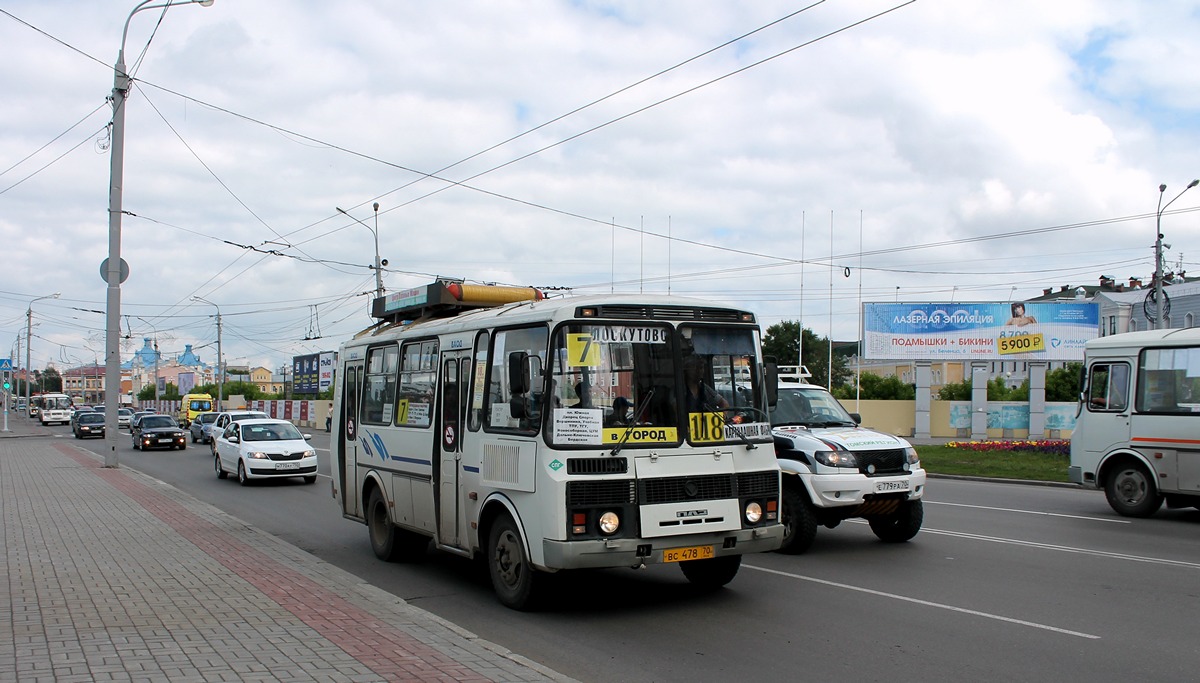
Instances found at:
x=374 y=231
x=113 y=269
x=1159 y=321
x=220 y=365
x=29 y=342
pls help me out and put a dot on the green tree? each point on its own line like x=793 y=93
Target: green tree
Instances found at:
x=782 y=341
x=247 y=390
x=51 y=381
x=873 y=387
x=1062 y=384
x=957 y=391
x=170 y=392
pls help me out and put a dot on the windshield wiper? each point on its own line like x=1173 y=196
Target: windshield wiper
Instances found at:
x=725 y=423
x=637 y=418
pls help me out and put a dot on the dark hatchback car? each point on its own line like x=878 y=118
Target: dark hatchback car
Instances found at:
x=87 y=423
x=158 y=431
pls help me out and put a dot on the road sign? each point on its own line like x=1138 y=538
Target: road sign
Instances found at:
x=5 y=364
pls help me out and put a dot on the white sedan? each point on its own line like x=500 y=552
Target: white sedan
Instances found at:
x=264 y=449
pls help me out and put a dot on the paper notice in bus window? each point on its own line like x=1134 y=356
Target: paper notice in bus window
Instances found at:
x=417 y=415
x=480 y=372
x=502 y=416
x=577 y=426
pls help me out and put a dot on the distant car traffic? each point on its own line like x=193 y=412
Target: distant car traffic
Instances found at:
x=264 y=449
x=201 y=427
x=228 y=417
x=158 y=431
x=87 y=423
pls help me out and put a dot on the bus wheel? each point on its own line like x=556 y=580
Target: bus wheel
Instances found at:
x=380 y=528
x=513 y=577
x=1131 y=491
x=799 y=522
x=713 y=573
x=901 y=525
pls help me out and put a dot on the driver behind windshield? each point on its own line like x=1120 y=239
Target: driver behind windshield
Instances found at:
x=698 y=396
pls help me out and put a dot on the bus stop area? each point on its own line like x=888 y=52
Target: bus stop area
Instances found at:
x=109 y=574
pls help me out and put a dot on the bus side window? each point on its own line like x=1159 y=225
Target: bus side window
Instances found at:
x=1108 y=387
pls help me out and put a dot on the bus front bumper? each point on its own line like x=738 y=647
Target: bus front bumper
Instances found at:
x=634 y=552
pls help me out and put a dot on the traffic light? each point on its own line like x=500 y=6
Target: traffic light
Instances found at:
x=7 y=385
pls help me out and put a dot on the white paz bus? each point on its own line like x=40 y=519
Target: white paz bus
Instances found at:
x=1137 y=435
x=551 y=434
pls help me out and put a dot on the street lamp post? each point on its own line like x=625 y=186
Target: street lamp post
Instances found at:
x=113 y=271
x=1159 y=321
x=374 y=231
x=29 y=342
x=220 y=365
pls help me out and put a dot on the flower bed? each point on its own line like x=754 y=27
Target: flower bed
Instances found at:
x=1051 y=446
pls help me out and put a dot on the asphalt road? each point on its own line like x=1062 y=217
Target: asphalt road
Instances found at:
x=1005 y=582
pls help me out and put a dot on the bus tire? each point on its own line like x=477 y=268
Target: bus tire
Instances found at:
x=713 y=573
x=901 y=525
x=799 y=522
x=385 y=537
x=1131 y=491
x=514 y=579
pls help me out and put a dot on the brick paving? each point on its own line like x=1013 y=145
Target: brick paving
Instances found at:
x=110 y=575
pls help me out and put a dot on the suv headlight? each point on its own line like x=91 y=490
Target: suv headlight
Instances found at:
x=911 y=456
x=836 y=459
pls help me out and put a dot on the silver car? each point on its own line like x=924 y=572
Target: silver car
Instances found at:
x=124 y=418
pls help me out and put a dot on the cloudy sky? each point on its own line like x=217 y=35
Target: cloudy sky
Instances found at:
x=792 y=161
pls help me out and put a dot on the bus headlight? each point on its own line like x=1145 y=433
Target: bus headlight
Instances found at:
x=609 y=523
x=754 y=512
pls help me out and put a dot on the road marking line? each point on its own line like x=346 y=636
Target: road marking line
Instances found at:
x=927 y=603
x=1034 y=512
x=1066 y=549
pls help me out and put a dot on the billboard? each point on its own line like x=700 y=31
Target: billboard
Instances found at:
x=305 y=373
x=1020 y=331
x=328 y=358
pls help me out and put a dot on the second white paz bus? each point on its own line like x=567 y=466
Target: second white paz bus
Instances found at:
x=551 y=434
x=1137 y=435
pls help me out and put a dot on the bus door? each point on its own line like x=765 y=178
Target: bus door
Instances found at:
x=347 y=443
x=1106 y=411
x=456 y=368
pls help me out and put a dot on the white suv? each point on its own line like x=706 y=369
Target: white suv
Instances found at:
x=834 y=469
x=224 y=419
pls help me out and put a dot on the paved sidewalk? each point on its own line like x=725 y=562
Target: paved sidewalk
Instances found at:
x=110 y=575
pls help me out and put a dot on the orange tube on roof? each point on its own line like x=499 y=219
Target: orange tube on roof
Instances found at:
x=491 y=294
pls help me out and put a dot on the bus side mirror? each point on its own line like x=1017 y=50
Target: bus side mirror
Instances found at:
x=518 y=380
x=771 y=377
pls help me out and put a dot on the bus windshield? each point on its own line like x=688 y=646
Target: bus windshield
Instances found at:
x=651 y=384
